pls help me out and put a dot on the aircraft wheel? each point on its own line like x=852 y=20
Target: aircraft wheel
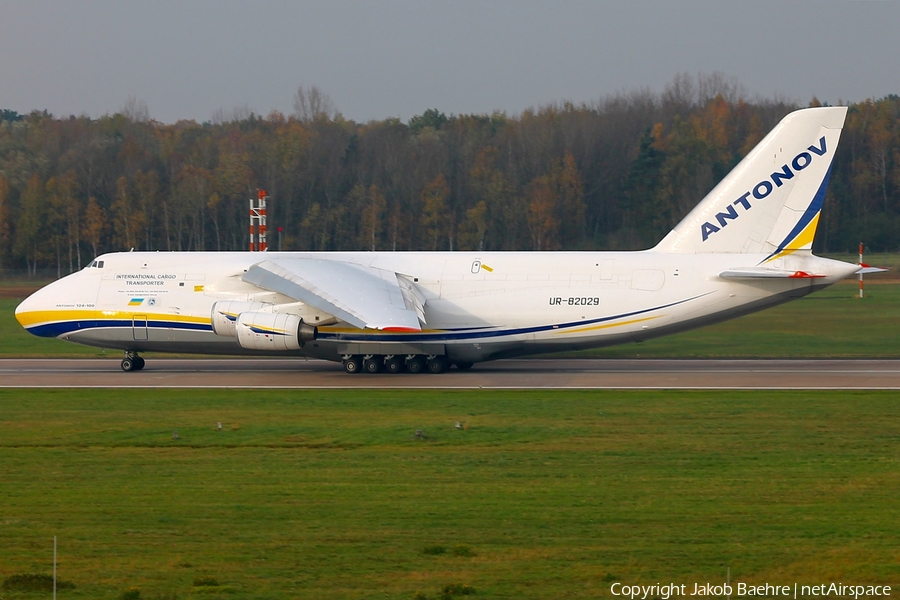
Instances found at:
x=437 y=364
x=464 y=366
x=353 y=364
x=128 y=365
x=373 y=364
x=393 y=365
x=139 y=363
x=416 y=364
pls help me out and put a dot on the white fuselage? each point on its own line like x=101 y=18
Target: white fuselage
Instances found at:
x=745 y=246
x=478 y=306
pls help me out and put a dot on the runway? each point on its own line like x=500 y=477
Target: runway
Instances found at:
x=231 y=373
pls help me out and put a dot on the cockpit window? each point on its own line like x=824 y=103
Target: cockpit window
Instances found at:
x=97 y=264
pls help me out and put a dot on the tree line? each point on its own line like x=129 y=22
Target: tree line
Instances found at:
x=617 y=173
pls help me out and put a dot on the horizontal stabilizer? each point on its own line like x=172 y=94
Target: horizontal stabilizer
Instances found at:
x=764 y=273
x=866 y=269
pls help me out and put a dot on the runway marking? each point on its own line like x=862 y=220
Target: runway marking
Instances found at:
x=515 y=374
x=469 y=387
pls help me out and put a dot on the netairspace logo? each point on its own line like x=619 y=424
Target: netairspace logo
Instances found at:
x=742 y=589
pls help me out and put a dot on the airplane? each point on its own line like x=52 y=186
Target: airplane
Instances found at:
x=745 y=247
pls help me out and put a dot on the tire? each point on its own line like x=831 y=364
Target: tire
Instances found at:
x=393 y=365
x=435 y=365
x=464 y=366
x=139 y=363
x=353 y=365
x=373 y=364
x=127 y=365
x=416 y=364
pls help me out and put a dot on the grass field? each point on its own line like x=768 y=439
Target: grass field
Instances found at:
x=540 y=495
x=830 y=323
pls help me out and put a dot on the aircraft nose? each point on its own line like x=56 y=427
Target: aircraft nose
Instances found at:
x=27 y=312
x=23 y=308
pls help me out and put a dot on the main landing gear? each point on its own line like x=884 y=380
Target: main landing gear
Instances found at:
x=132 y=362
x=393 y=363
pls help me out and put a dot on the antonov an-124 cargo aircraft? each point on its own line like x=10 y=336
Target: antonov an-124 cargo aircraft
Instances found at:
x=746 y=246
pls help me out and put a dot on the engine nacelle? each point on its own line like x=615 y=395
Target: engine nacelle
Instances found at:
x=273 y=331
x=225 y=313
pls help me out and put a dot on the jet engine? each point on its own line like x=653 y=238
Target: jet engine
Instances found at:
x=225 y=313
x=273 y=331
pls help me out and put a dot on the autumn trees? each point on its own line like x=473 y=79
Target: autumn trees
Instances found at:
x=616 y=174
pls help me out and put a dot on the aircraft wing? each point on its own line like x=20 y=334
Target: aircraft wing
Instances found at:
x=365 y=297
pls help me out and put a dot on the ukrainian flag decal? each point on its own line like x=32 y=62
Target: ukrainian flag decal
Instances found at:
x=136 y=302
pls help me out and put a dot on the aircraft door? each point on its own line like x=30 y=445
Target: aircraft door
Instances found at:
x=139 y=327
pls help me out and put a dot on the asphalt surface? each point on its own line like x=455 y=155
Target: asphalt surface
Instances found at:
x=505 y=374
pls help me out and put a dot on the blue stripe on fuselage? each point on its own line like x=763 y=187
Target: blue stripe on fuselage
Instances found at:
x=53 y=330
x=475 y=335
x=58 y=329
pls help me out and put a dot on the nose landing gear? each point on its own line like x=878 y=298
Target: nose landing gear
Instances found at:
x=132 y=362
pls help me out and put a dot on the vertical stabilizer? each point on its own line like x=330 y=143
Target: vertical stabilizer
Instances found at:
x=770 y=202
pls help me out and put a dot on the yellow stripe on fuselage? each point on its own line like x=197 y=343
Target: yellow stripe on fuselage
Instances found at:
x=557 y=332
x=605 y=325
x=42 y=317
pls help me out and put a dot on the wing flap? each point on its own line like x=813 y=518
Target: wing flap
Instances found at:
x=412 y=297
x=365 y=297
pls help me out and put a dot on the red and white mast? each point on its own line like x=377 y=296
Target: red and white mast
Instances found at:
x=258 y=222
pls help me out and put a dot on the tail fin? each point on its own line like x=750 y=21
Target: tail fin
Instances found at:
x=770 y=202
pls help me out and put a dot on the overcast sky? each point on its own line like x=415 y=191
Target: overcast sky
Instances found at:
x=397 y=58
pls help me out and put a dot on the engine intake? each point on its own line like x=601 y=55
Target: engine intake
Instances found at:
x=273 y=331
